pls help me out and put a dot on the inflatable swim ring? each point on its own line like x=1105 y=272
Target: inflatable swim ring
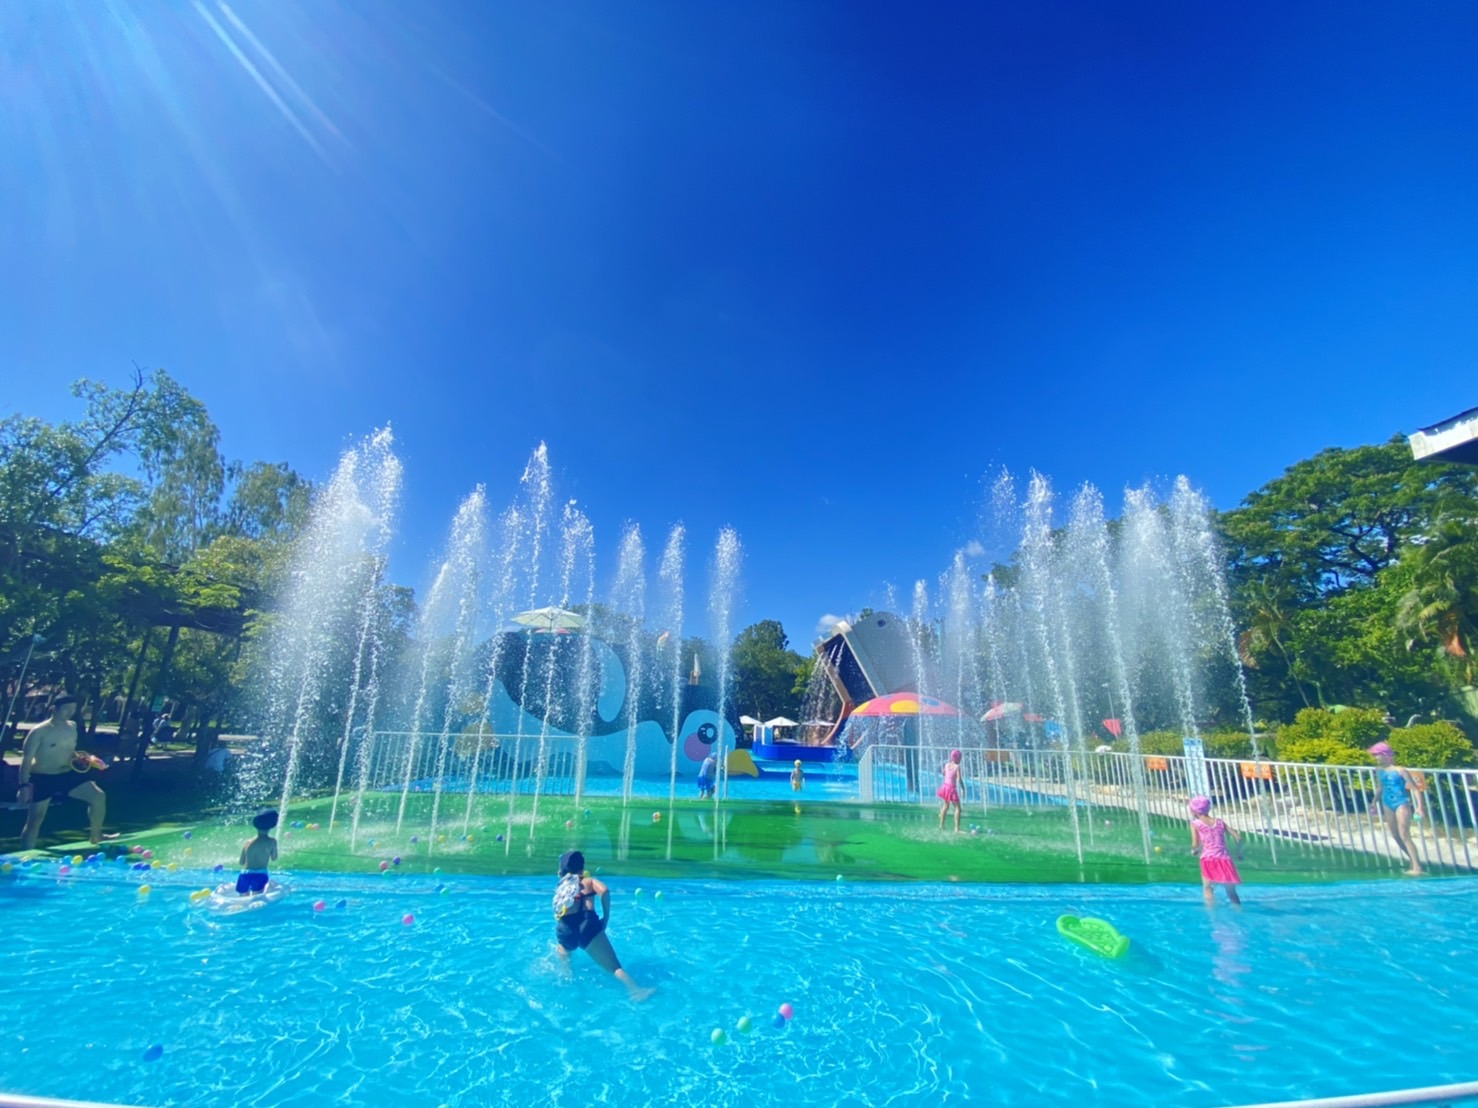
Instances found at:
x=1097 y=935
x=226 y=901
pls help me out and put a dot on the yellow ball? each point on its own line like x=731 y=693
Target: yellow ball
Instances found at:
x=1159 y=850
x=76 y=859
x=144 y=890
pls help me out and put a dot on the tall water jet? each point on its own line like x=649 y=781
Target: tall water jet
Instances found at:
x=335 y=566
x=382 y=474
x=670 y=641
x=572 y=528
x=1161 y=613
x=628 y=596
x=727 y=556
x=580 y=539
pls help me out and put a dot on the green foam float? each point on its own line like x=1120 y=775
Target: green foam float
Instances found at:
x=1097 y=935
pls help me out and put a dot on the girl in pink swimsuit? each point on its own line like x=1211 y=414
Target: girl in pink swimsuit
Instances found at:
x=1209 y=838
x=949 y=792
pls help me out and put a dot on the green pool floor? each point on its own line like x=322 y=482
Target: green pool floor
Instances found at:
x=739 y=840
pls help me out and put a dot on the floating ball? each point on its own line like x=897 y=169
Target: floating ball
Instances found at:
x=219 y=867
x=64 y=870
x=1159 y=850
x=148 y=854
x=341 y=905
x=395 y=860
x=77 y=859
x=786 y=1011
x=407 y=919
x=384 y=866
x=445 y=891
x=466 y=838
x=188 y=834
x=415 y=839
x=198 y=895
x=587 y=811
x=656 y=817
x=319 y=905
x=637 y=893
x=6 y=867
x=717 y=1037
x=1108 y=823
x=172 y=866
x=154 y=1053
x=313 y=827
x=372 y=842
x=779 y=1021
x=974 y=830
x=744 y=1026
x=287 y=834
x=569 y=824
x=189 y=850
x=441 y=838
x=839 y=877
x=500 y=838
x=436 y=870
x=135 y=850
x=441 y=888
x=658 y=894
x=144 y=890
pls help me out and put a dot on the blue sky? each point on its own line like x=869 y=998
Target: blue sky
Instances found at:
x=814 y=270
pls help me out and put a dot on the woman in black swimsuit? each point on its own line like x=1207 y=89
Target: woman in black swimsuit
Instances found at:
x=577 y=926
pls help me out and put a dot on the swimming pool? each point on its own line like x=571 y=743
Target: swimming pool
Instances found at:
x=901 y=994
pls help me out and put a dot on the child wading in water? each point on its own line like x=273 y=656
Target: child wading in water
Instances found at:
x=1209 y=838
x=577 y=926
x=257 y=855
x=949 y=792
x=797 y=777
x=1400 y=799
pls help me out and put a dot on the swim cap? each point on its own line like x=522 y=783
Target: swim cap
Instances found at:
x=571 y=861
x=1383 y=750
x=955 y=755
x=797 y=763
x=265 y=821
x=1200 y=805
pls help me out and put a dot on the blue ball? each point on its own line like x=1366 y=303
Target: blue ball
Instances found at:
x=341 y=905
x=779 y=1021
x=415 y=839
x=500 y=838
x=154 y=1053
x=188 y=834
x=219 y=867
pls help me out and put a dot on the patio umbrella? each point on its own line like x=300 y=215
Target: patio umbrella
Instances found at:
x=551 y=619
x=905 y=704
x=750 y=721
x=781 y=721
x=1001 y=711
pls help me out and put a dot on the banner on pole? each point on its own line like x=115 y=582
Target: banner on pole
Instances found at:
x=1196 y=778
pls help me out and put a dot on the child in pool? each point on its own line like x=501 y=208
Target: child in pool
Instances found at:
x=256 y=855
x=578 y=926
x=1399 y=799
x=1209 y=839
x=949 y=792
x=797 y=777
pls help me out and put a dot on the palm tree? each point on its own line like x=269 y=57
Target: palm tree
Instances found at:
x=1442 y=604
x=1270 y=610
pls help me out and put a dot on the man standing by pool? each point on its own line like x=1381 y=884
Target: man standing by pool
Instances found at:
x=47 y=773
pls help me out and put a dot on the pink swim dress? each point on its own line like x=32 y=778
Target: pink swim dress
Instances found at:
x=1217 y=866
x=949 y=792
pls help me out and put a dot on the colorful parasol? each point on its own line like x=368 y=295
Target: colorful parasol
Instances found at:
x=905 y=704
x=1001 y=711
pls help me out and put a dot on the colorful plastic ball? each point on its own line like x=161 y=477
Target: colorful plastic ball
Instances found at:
x=717 y=1037
x=436 y=870
x=839 y=877
x=341 y=905
x=415 y=839
x=744 y=1026
x=395 y=860
x=656 y=817
x=787 y=1011
x=1108 y=823
x=467 y=838
x=637 y=893
x=172 y=866
x=445 y=891
x=372 y=842
x=77 y=859
x=384 y=866
x=407 y=919
x=779 y=1021
x=441 y=888
x=219 y=867
x=1159 y=850
x=6 y=867
x=441 y=838
x=587 y=811
x=135 y=850
x=144 y=890
x=154 y=1053
x=569 y=824
x=188 y=834
x=189 y=850
x=500 y=838
x=148 y=854
x=974 y=830
x=319 y=905
x=64 y=870
x=198 y=895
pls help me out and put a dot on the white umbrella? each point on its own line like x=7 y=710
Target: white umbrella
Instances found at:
x=750 y=721
x=781 y=721
x=551 y=619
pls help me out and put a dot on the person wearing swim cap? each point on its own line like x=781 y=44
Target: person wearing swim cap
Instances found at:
x=1400 y=797
x=1209 y=840
x=52 y=768
x=949 y=793
x=797 y=777
x=577 y=926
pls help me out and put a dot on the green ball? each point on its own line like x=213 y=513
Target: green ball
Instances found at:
x=718 y=1038
x=658 y=894
x=743 y=1026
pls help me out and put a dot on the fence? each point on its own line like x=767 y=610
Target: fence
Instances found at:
x=1302 y=812
x=487 y=763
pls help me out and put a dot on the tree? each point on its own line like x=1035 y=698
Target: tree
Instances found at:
x=1441 y=605
x=764 y=671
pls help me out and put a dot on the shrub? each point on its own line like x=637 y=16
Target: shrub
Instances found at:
x=1356 y=727
x=1432 y=746
x=1321 y=751
x=1161 y=743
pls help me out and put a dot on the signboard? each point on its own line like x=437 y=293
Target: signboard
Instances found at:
x=1196 y=778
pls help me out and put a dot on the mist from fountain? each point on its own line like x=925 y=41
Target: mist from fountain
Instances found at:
x=629 y=596
x=670 y=592
x=728 y=555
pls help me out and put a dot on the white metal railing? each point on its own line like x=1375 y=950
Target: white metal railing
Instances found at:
x=1448 y=1095
x=489 y=762
x=1302 y=812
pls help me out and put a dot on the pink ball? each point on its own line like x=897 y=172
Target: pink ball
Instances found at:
x=787 y=1011
x=148 y=854
x=64 y=870
x=407 y=919
x=319 y=905
x=569 y=824
x=384 y=866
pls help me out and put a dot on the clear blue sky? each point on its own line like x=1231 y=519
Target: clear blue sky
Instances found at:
x=816 y=270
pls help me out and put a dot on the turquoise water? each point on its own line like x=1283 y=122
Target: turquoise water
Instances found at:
x=902 y=994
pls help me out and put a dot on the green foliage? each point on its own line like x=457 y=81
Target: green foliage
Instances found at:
x=1218 y=744
x=1323 y=751
x=765 y=671
x=1432 y=746
x=1440 y=607
x=1354 y=727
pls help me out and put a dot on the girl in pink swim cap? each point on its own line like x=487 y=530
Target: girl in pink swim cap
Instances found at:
x=1209 y=839
x=949 y=792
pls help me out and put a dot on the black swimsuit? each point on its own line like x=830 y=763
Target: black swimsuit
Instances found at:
x=578 y=927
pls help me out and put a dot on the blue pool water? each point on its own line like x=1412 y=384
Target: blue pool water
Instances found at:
x=902 y=994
